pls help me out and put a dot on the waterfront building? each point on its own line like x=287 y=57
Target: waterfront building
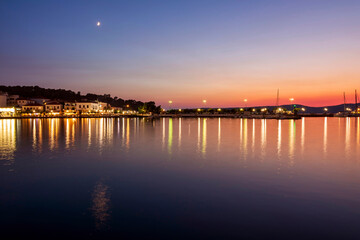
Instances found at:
x=87 y=106
x=69 y=106
x=32 y=108
x=7 y=112
x=24 y=101
x=53 y=107
x=12 y=100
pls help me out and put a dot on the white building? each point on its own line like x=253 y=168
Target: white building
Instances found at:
x=53 y=107
x=70 y=106
x=87 y=106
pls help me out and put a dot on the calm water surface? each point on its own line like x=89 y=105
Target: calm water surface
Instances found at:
x=180 y=178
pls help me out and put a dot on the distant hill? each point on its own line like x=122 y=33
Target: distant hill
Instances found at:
x=308 y=109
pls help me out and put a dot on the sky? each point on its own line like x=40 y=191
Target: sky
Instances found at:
x=185 y=51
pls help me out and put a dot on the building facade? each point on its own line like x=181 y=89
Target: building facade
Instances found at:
x=32 y=108
x=24 y=101
x=53 y=107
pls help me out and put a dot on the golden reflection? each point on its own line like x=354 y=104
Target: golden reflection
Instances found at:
x=170 y=137
x=7 y=140
x=347 y=136
x=110 y=130
x=302 y=134
x=325 y=135
x=219 y=134
x=245 y=138
x=127 y=133
x=89 y=132
x=199 y=130
x=40 y=136
x=179 y=132
x=163 y=133
x=101 y=134
x=34 y=140
x=203 y=150
x=101 y=204
x=358 y=131
x=263 y=137
x=53 y=133
x=253 y=136
x=292 y=137
x=123 y=131
x=67 y=133
x=279 y=139
x=135 y=125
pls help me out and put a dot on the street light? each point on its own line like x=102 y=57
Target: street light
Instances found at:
x=204 y=101
x=291 y=100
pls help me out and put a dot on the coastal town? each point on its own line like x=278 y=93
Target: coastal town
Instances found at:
x=15 y=105
x=90 y=105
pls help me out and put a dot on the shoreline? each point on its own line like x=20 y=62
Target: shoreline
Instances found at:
x=269 y=116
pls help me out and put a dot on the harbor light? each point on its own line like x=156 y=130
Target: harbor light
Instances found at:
x=204 y=101
x=325 y=109
x=179 y=110
x=219 y=109
x=348 y=109
x=303 y=109
x=170 y=102
x=198 y=109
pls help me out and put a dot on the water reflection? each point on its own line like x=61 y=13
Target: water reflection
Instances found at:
x=302 y=135
x=347 y=136
x=199 y=130
x=219 y=134
x=179 y=141
x=263 y=138
x=325 y=136
x=101 y=205
x=358 y=131
x=292 y=139
x=170 y=137
x=7 y=141
x=214 y=135
x=245 y=138
x=279 y=139
x=203 y=150
x=253 y=137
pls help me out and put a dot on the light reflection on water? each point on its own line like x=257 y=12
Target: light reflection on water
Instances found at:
x=99 y=133
x=101 y=205
x=315 y=158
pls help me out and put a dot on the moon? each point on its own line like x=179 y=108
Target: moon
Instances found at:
x=98 y=24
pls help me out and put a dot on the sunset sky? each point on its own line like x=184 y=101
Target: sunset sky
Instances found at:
x=185 y=51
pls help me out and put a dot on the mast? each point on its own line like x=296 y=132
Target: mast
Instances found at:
x=356 y=102
x=344 y=103
x=277 y=99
